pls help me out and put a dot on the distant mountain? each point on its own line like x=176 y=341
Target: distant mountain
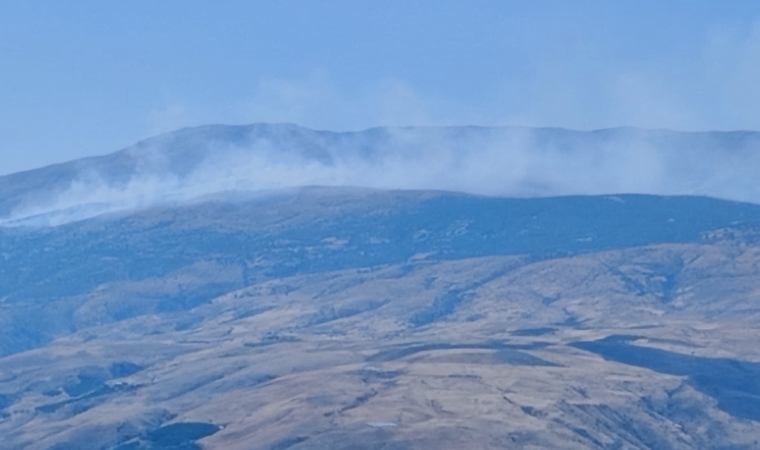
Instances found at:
x=270 y=287
x=364 y=319
x=51 y=273
x=211 y=159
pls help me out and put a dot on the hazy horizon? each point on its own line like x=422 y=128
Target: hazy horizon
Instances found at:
x=399 y=225
x=494 y=161
x=91 y=78
x=149 y=137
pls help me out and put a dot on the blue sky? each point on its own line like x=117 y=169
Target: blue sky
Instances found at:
x=82 y=78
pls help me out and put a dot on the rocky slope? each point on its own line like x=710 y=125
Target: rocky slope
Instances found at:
x=194 y=292
x=193 y=162
x=346 y=319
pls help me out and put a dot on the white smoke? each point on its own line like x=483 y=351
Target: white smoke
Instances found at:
x=514 y=163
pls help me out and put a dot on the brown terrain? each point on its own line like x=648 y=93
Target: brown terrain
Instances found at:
x=336 y=361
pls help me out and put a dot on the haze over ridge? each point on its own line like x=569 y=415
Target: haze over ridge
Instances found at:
x=497 y=161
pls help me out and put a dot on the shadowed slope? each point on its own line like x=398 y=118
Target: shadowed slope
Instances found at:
x=506 y=161
x=173 y=259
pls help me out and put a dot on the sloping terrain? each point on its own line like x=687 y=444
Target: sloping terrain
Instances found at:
x=506 y=161
x=350 y=319
x=340 y=360
x=60 y=279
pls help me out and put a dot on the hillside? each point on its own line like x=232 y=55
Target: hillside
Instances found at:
x=171 y=259
x=525 y=162
x=271 y=287
x=343 y=318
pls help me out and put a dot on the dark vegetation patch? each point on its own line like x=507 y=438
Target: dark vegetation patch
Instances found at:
x=320 y=400
x=360 y=400
x=190 y=299
x=448 y=302
x=508 y=356
x=660 y=281
x=546 y=301
x=130 y=446
x=571 y=321
x=629 y=431
x=586 y=435
x=518 y=358
x=331 y=313
x=188 y=322
x=441 y=307
x=86 y=384
x=745 y=233
x=531 y=411
x=373 y=374
x=178 y=435
x=672 y=342
x=190 y=384
x=349 y=437
x=6 y=400
x=88 y=400
x=271 y=338
x=247 y=382
x=735 y=384
x=402 y=351
x=534 y=331
x=251 y=313
x=123 y=369
x=288 y=443
x=357 y=402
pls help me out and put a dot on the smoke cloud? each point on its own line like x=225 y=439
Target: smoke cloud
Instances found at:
x=522 y=162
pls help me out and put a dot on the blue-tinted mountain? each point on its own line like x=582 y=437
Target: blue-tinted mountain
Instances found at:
x=206 y=160
x=174 y=296
x=50 y=272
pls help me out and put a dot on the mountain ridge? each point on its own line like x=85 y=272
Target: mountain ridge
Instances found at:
x=313 y=231
x=370 y=130
x=497 y=161
x=199 y=304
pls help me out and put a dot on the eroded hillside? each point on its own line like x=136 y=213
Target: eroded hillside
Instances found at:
x=394 y=320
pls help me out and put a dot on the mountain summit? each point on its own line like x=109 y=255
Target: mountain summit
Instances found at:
x=196 y=162
x=271 y=287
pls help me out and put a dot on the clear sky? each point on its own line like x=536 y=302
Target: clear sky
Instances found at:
x=82 y=77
